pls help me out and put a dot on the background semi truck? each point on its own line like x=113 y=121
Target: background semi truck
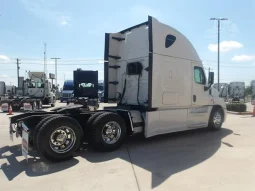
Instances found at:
x=67 y=91
x=37 y=91
x=157 y=79
x=236 y=92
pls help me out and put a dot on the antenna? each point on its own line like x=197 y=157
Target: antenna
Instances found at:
x=45 y=59
x=45 y=69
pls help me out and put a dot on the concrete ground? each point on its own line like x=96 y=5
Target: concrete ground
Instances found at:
x=195 y=160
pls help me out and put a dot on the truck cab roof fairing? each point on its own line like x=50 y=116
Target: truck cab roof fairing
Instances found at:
x=181 y=47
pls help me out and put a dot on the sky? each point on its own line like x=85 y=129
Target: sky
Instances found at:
x=74 y=31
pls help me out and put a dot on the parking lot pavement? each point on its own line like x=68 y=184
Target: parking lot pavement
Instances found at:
x=193 y=160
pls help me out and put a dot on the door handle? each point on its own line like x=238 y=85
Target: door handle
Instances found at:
x=194 y=98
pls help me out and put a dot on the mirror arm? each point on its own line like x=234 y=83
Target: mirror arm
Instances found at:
x=206 y=88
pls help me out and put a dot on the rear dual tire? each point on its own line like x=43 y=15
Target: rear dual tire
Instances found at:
x=37 y=128
x=58 y=138
x=107 y=131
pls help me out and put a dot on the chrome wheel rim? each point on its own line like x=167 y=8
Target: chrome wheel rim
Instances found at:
x=217 y=118
x=111 y=132
x=62 y=139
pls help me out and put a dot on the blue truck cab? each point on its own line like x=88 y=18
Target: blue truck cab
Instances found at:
x=67 y=91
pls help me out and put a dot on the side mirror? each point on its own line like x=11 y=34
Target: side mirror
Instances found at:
x=210 y=81
x=211 y=78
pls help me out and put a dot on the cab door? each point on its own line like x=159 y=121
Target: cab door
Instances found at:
x=200 y=97
x=198 y=114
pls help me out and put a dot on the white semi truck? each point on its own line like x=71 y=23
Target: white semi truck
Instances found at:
x=157 y=79
x=37 y=91
x=236 y=92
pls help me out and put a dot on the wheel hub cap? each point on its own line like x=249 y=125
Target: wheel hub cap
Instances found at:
x=111 y=132
x=62 y=139
x=217 y=118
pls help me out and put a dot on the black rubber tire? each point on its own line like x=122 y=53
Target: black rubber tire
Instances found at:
x=37 y=128
x=88 y=125
x=44 y=134
x=93 y=117
x=211 y=124
x=98 y=123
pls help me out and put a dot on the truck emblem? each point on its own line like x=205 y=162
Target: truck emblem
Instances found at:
x=170 y=39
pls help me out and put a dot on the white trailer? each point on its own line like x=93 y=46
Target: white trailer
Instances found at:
x=253 y=92
x=10 y=90
x=157 y=79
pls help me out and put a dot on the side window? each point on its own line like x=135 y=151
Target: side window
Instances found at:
x=199 y=75
x=31 y=85
x=40 y=85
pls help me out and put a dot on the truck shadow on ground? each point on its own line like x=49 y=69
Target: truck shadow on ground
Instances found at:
x=162 y=155
x=166 y=155
x=33 y=167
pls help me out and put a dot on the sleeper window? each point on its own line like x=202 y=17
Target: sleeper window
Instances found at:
x=199 y=75
x=134 y=68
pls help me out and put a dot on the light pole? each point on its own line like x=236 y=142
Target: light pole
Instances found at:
x=56 y=70
x=219 y=19
x=18 y=70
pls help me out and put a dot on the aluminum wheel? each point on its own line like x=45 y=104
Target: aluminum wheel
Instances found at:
x=217 y=119
x=62 y=139
x=111 y=132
